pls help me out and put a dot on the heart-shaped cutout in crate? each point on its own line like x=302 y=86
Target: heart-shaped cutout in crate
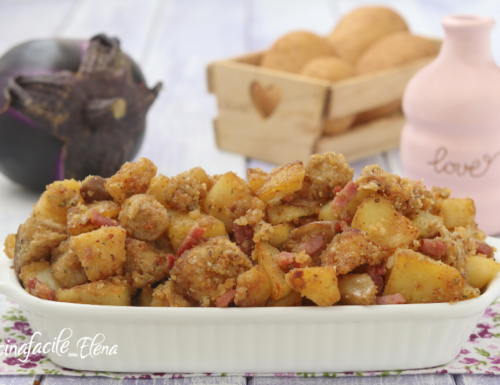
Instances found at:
x=265 y=100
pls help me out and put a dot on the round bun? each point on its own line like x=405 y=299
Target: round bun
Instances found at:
x=291 y=52
x=359 y=29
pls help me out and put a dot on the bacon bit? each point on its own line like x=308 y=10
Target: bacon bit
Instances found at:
x=312 y=246
x=433 y=248
x=100 y=220
x=171 y=260
x=483 y=248
x=376 y=273
x=393 y=299
x=244 y=238
x=192 y=238
x=40 y=290
x=342 y=199
x=284 y=258
x=225 y=299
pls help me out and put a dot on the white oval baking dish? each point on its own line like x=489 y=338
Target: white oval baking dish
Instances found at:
x=254 y=340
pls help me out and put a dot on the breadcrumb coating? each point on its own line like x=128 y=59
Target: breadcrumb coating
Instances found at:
x=350 y=249
x=407 y=196
x=324 y=173
x=209 y=270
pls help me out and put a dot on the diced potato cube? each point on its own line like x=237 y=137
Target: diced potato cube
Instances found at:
x=479 y=271
x=228 y=199
x=253 y=288
x=470 y=292
x=39 y=281
x=185 y=191
x=79 y=217
x=292 y=299
x=326 y=213
x=57 y=199
x=146 y=263
x=282 y=181
x=108 y=292
x=66 y=266
x=181 y=222
x=421 y=279
x=319 y=284
x=144 y=217
x=265 y=255
x=165 y=295
x=287 y=213
x=10 y=245
x=101 y=252
x=132 y=178
x=457 y=212
x=35 y=240
x=428 y=224
x=357 y=289
x=280 y=235
x=256 y=179
x=145 y=297
x=383 y=224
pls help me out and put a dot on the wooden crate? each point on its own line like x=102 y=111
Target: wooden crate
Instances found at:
x=294 y=128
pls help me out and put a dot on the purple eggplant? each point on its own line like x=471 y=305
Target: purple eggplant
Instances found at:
x=70 y=109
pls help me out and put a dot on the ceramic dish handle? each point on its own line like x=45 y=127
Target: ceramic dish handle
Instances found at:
x=5 y=268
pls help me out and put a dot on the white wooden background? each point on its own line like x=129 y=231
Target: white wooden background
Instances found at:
x=173 y=40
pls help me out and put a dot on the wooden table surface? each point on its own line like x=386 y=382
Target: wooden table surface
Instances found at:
x=173 y=40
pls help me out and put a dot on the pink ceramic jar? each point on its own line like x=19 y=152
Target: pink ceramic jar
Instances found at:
x=452 y=108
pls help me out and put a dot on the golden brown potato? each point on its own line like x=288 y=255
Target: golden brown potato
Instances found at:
x=278 y=214
x=35 y=240
x=209 y=270
x=291 y=52
x=265 y=256
x=350 y=249
x=10 y=246
x=165 y=295
x=113 y=292
x=146 y=263
x=325 y=172
x=79 y=218
x=253 y=288
x=282 y=181
x=292 y=299
x=319 y=284
x=66 y=266
x=185 y=191
x=457 y=212
x=361 y=28
x=479 y=271
x=428 y=224
x=132 y=178
x=421 y=279
x=144 y=217
x=228 y=199
x=357 y=289
x=256 y=179
x=101 y=252
x=57 y=199
x=383 y=224
x=39 y=281
x=281 y=233
x=181 y=222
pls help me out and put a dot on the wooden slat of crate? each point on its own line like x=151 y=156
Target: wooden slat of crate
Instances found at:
x=362 y=93
x=365 y=140
x=289 y=133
